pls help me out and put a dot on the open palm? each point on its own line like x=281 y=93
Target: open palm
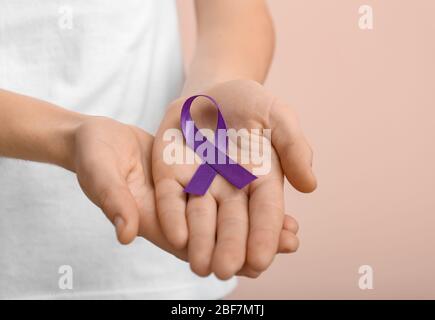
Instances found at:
x=113 y=167
x=227 y=229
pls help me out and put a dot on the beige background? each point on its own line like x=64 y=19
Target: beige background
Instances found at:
x=366 y=101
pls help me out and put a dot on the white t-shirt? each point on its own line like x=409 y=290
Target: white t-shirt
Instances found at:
x=114 y=58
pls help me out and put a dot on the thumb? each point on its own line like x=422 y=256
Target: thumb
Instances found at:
x=120 y=208
x=293 y=150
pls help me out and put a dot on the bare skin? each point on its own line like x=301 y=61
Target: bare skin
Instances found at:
x=227 y=228
x=226 y=232
x=112 y=161
x=113 y=166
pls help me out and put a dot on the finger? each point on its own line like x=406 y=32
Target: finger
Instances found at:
x=150 y=229
x=120 y=207
x=201 y=221
x=232 y=232
x=248 y=272
x=294 y=152
x=266 y=206
x=290 y=224
x=288 y=242
x=149 y=225
x=171 y=208
x=107 y=188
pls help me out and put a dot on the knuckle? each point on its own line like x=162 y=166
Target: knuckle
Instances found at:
x=198 y=212
x=231 y=221
x=263 y=234
x=163 y=196
x=231 y=250
x=199 y=236
x=231 y=245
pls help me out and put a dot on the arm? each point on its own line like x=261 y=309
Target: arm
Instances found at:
x=111 y=160
x=229 y=231
x=107 y=156
x=235 y=40
x=35 y=130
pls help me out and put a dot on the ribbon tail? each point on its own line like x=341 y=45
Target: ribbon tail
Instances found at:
x=235 y=174
x=201 y=180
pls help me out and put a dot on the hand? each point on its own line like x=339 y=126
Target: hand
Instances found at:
x=113 y=166
x=229 y=230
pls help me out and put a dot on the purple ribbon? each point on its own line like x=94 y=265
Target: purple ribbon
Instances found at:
x=223 y=164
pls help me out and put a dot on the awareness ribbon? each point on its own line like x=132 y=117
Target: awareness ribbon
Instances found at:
x=204 y=175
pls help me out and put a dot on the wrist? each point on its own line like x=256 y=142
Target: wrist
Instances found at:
x=64 y=155
x=206 y=73
x=37 y=130
x=202 y=77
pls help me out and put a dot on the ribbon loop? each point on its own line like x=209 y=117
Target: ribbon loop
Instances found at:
x=204 y=175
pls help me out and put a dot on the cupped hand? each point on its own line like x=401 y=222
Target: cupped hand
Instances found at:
x=113 y=166
x=228 y=230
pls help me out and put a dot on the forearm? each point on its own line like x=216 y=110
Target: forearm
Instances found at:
x=235 y=40
x=35 y=130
